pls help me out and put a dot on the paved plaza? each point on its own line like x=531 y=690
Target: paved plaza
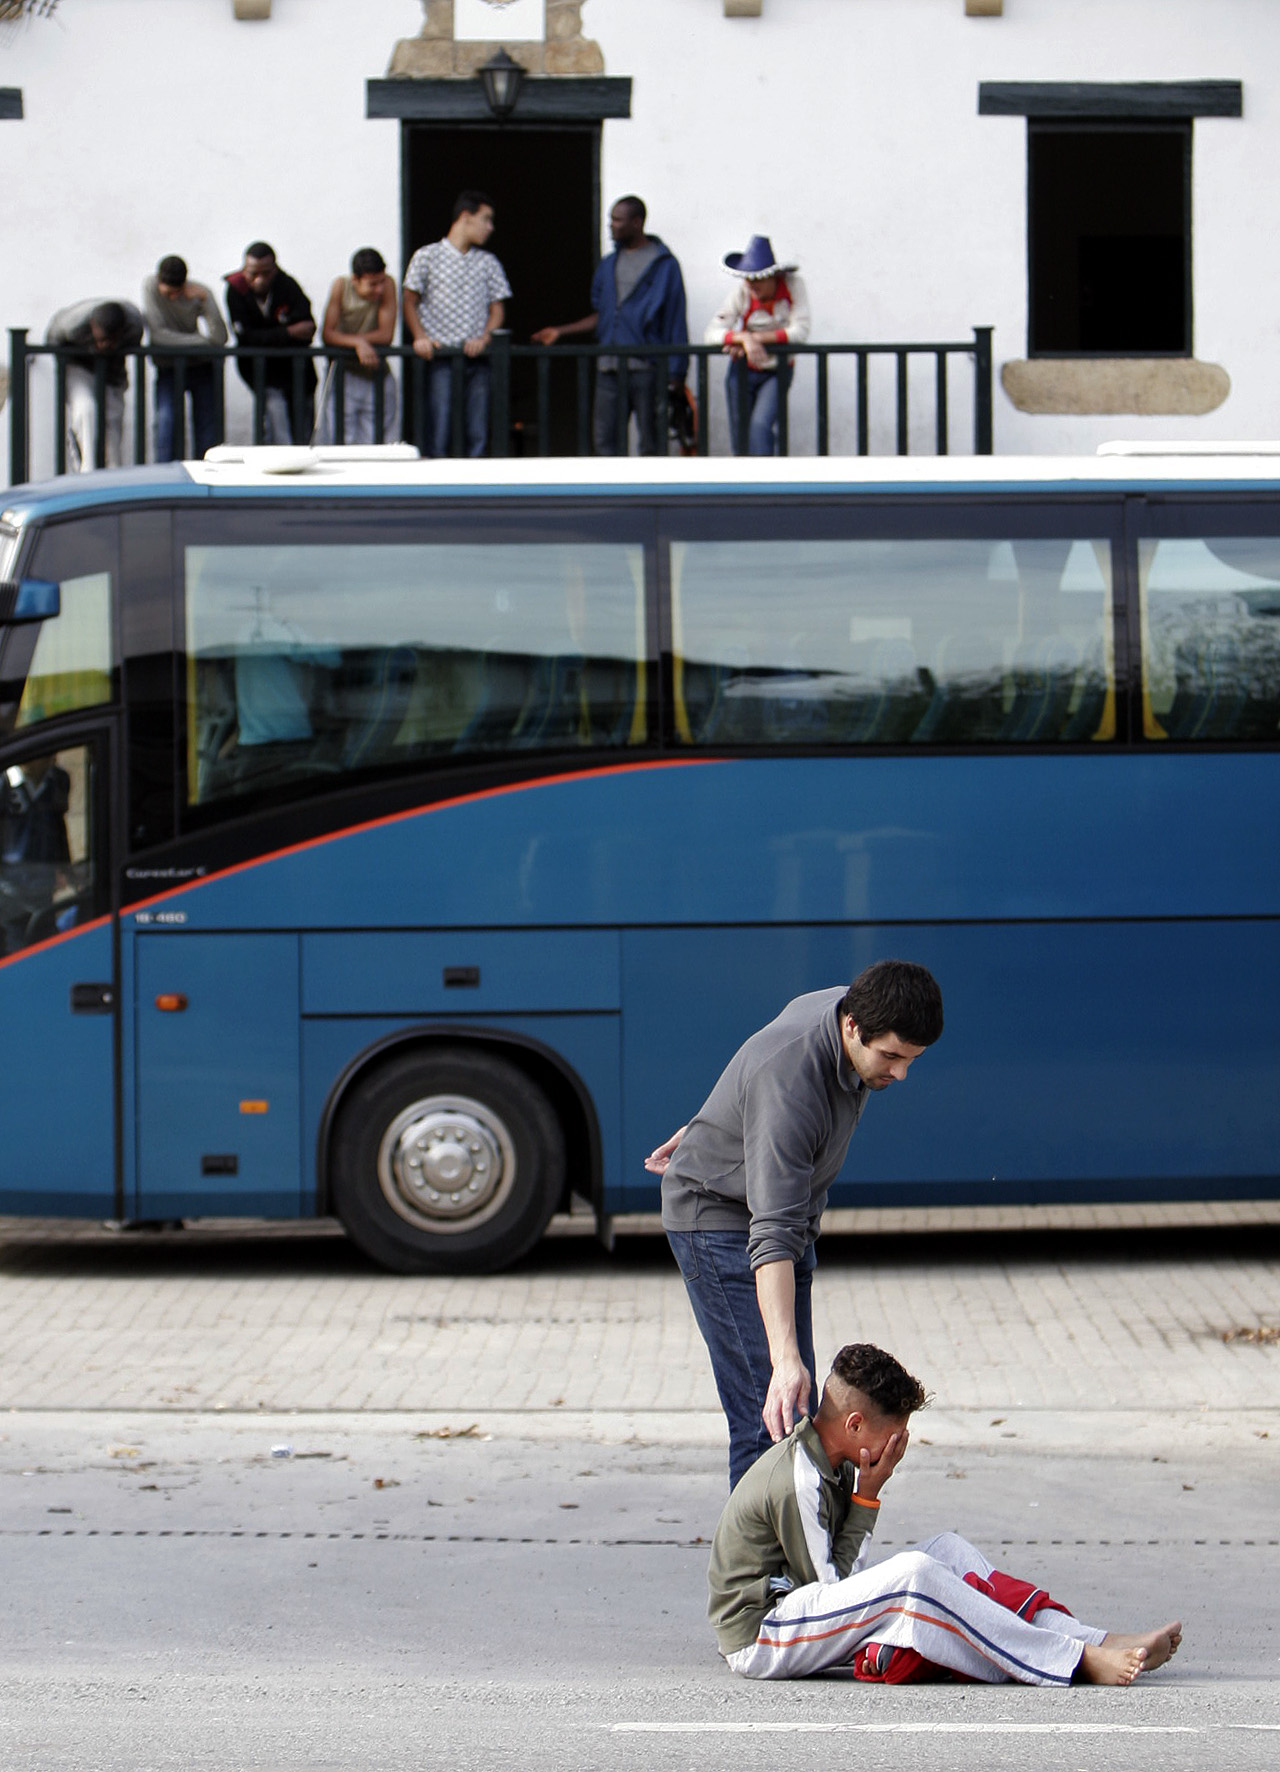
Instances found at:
x=293 y=1318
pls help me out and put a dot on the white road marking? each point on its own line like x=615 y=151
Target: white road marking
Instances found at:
x=808 y=1728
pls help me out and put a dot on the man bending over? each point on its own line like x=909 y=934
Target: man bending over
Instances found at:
x=792 y=1593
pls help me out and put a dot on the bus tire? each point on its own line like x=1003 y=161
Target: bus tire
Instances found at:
x=446 y=1160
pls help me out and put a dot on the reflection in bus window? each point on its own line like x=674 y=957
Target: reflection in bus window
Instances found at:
x=892 y=642
x=308 y=662
x=1210 y=638
x=46 y=864
x=71 y=668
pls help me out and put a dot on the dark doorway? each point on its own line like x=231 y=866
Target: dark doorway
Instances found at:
x=1109 y=229
x=545 y=186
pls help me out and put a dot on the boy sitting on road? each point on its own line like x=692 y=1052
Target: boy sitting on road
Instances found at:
x=791 y=1592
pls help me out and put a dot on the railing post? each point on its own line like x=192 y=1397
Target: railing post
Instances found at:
x=902 y=397
x=941 y=427
x=783 y=373
x=824 y=417
x=259 y=396
x=220 y=398
x=864 y=406
x=500 y=404
x=542 y=366
x=380 y=401
x=298 y=426
x=139 y=408
x=661 y=391
x=583 y=363
x=622 y=414
x=457 y=403
x=742 y=417
x=60 y=413
x=19 y=466
x=100 y=412
x=982 y=413
x=418 y=376
x=703 y=441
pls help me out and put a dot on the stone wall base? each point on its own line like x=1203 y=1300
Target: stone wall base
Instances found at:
x=1147 y=386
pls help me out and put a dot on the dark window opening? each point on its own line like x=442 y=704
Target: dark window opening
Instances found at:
x=1109 y=228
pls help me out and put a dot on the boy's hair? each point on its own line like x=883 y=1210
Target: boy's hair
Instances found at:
x=468 y=202
x=883 y=1381
x=368 y=262
x=172 y=271
x=895 y=997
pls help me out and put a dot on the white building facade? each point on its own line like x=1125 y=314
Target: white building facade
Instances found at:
x=1089 y=178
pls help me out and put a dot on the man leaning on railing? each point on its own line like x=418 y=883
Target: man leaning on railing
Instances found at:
x=270 y=312
x=96 y=335
x=175 y=310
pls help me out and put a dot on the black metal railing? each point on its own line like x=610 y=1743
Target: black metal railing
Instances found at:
x=541 y=397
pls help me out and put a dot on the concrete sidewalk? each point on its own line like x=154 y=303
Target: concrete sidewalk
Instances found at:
x=213 y=1320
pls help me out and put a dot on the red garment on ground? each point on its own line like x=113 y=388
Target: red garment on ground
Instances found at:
x=888 y=1666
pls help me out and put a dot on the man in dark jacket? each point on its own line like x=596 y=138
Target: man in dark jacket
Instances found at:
x=268 y=309
x=637 y=295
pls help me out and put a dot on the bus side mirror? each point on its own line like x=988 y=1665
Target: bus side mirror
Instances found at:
x=28 y=599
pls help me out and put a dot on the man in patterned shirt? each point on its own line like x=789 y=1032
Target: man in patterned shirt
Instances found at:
x=453 y=295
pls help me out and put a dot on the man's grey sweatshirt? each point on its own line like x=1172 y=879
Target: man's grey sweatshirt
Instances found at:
x=768 y=1142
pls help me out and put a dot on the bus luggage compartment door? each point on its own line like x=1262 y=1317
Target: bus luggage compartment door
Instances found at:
x=217 y=1075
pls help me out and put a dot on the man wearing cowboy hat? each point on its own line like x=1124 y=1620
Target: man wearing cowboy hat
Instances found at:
x=768 y=306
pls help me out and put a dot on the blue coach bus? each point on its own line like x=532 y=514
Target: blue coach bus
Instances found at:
x=413 y=842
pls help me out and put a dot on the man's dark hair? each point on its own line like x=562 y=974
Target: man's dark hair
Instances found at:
x=259 y=249
x=468 y=202
x=367 y=262
x=635 y=205
x=172 y=271
x=882 y=1380
x=110 y=317
x=895 y=997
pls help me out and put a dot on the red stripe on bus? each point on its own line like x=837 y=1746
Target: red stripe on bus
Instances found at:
x=42 y=947
x=373 y=824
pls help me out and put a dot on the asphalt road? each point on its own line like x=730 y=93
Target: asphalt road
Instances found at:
x=480 y=1585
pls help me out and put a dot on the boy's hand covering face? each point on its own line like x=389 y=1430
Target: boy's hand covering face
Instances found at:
x=878 y=1458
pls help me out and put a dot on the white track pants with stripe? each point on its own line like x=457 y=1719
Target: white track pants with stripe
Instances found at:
x=915 y=1600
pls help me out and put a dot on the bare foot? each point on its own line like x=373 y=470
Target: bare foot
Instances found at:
x=1110 y=1663
x=1159 y=1644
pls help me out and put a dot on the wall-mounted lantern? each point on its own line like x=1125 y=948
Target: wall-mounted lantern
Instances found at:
x=502 y=79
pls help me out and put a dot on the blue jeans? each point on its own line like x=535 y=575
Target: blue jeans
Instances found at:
x=475 y=406
x=203 y=433
x=762 y=405
x=722 y=1290
x=640 y=397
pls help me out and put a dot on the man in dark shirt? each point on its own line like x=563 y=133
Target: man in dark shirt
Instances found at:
x=744 y=1184
x=637 y=297
x=268 y=309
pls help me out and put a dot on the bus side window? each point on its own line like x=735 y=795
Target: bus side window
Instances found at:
x=905 y=641
x=1210 y=638
x=308 y=662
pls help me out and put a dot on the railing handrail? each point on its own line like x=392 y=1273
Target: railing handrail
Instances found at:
x=341 y=361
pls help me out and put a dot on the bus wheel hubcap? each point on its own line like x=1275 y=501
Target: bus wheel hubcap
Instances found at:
x=446 y=1163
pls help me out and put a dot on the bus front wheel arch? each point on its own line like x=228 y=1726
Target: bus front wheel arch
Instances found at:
x=446 y=1159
